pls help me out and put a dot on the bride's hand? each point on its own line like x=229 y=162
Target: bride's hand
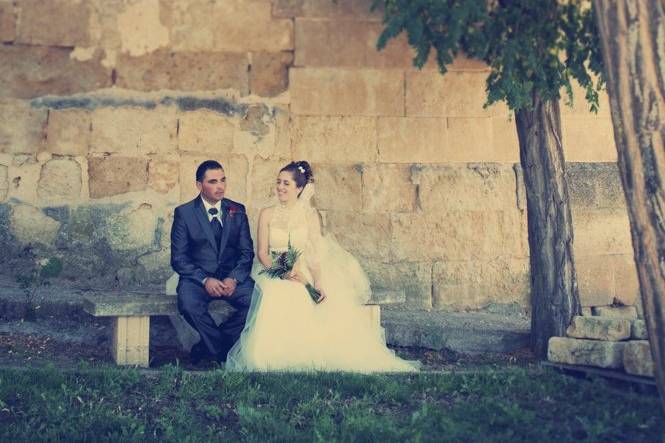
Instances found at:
x=296 y=276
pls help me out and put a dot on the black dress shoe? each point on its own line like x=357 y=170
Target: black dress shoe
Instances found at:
x=199 y=352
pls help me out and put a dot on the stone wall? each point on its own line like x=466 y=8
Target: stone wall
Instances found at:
x=107 y=107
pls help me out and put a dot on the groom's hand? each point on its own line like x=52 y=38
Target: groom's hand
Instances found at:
x=229 y=284
x=214 y=287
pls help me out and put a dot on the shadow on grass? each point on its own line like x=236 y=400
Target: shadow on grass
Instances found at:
x=516 y=404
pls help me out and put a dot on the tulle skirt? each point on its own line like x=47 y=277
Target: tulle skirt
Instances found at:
x=287 y=331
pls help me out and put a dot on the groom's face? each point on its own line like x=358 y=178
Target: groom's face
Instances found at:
x=213 y=185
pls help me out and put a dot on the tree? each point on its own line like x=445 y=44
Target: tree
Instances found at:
x=534 y=48
x=632 y=33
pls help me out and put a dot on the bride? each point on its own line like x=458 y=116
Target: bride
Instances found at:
x=285 y=328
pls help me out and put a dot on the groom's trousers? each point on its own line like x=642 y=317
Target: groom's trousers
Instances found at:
x=193 y=303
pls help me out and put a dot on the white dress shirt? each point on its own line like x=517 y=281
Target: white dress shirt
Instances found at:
x=218 y=206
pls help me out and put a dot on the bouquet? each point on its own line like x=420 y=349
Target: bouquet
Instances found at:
x=282 y=264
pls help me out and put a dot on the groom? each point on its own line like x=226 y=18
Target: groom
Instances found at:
x=212 y=251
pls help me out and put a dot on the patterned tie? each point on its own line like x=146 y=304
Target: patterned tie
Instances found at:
x=215 y=224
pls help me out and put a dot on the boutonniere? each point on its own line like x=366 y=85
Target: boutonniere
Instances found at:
x=233 y=210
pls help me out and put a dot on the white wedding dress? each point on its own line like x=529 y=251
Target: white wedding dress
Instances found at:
x=287 y=331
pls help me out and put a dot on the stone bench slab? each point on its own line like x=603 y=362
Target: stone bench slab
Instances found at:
x=139 y=305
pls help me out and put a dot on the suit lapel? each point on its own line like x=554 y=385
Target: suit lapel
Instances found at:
x=225 y=224
x=202 y=217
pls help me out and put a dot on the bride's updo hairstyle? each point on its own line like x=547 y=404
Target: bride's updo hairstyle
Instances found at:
x=301 y=171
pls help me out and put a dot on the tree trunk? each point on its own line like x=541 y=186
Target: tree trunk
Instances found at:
x=632 y=34
x=554 y=296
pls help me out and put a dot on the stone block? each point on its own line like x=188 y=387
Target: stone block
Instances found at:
x=474 y=284
x=139 y=27
x=22 y=127
x=413 y=140
x=456 y=235
x=132 y=229
x=626 y=284
x=269 y=75
x=413 y=278
x=595 y=283
x=325 y=91
x=463 y=332
x=505 y=144
x=338 y=187
x=470 y=139
x=248 y=25
x=637 y=359
x=456 y=94
x=190 y=23
x=347 y=43
x=134 y=131
x=235 y=167
x=60 y=181
x=205 y=131
x=638 y=330
x=388 y=188
x=33 y=71
x=466 y=186
x=184 y=71
x=4 y=182
x=24 y=173
x=599 y=328
x=30 y=225
x=113 y=175
x=387 y=297
x=55 y=23
x=68 y=132
x=324 y=8
x=334 y=139
x=163 y=174
x=283 y=133
x=624 y=312
x=262 y=182
x=573 y=351
x=599 y=232
x=588 y=139
x=595 y=186
x=7 y=22
x=369 y=237
x=264 y=132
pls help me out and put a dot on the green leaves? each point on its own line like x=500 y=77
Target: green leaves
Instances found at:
x=530 y=45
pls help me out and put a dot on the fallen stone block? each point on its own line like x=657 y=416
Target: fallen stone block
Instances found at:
x=638 y=330
x=628 y=312
x=602 y=354
x=637 y=358
x=599 y=328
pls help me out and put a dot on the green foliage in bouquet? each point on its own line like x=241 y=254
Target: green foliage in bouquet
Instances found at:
x=283 y=263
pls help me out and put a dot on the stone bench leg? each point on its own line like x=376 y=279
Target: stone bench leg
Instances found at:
x=131 y=341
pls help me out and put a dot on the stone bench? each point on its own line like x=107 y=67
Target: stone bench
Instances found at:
x=131 y=320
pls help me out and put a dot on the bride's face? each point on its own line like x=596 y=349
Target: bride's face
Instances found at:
x=286 y=189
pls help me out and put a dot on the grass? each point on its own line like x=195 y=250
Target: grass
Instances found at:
x=517 y=404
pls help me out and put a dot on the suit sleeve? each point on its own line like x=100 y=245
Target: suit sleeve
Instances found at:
x=180 y=261
x=245 y=251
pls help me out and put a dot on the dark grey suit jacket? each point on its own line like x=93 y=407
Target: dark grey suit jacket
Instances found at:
x=194 y=252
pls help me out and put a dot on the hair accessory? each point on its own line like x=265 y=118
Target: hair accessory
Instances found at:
x=301 y=169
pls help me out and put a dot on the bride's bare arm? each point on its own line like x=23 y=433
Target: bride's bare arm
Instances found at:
x=263 y=237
